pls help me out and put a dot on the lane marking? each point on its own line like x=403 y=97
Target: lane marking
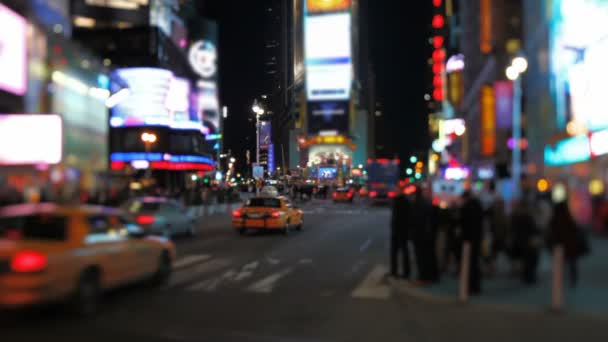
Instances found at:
x=246 y=271
x=373 y=285
x=187 y=275
x=365 y=245
x=305 y=261
x=273 y=261
x=210 y=285
x=268 y=284
x=190 y=260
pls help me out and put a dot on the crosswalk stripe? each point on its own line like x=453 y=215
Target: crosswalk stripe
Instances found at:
x=190 y=260
x=372 y=286
x=268 y=284
x=187 y=275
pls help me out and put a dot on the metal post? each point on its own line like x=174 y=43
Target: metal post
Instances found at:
x=465 y=269
x=257 y=147
x=516 y=167
x=557 y=295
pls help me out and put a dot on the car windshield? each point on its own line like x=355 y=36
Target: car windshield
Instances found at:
x=34 y=227
x=141 y=206
x=264 y=202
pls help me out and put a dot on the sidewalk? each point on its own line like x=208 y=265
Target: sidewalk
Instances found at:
x=589 y=297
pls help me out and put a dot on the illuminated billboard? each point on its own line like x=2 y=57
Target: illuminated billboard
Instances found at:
x=30 y=139
x=320 y=6
x=328 y=117
x=328 y=45
x=13 y=52
x=155 y=98
x=579 y=50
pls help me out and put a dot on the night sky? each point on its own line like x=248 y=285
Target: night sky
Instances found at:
x=399 y=31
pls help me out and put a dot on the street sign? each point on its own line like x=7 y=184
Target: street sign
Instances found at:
x=258 y=172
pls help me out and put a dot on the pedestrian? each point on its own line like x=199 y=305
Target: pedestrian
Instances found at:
x=526 y=240
x=566 y=233
x=471 y=217
x=399 y=236
x=423 y=234
x=499 y=226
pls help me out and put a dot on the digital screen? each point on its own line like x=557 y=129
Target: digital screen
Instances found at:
x=328 y=172
x=30 y=139
x=13 y=55
x=155 y=97
x=579 y=54
x=328 y=57
x=265 y=134
x=328 y=116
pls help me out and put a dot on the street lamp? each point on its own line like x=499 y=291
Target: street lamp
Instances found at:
x=518 y=66
x=259 y=111
x=148 y=139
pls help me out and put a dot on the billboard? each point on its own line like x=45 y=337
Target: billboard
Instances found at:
x=30 y=139
x=155 y=97
x=488 y=121
x=13 y=52
x=328 y=49
x=503 y=94
x=265 y=135
x=328 y=117
x=320 y=6
x=579 y=50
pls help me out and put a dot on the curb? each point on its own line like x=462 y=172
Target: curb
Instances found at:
x=402 y=288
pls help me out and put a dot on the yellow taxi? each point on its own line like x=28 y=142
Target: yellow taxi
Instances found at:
x=51 y=252
x=344 y=195
x=267 y=213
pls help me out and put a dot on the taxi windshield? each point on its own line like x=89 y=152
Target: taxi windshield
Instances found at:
x=33 y=227
x=264 y=202
x=140 y=206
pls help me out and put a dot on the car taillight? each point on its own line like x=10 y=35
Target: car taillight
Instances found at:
x=28 y=262
x=145 y=219
x=373 y=194
x=237 y=213
x=361 y=192
x=275 y=213
x=349 y=194
x=392 y=194
x=335 y=195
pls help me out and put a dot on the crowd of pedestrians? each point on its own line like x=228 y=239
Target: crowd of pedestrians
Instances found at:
x=436 y=236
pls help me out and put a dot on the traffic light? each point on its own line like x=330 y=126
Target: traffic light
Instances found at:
x=206 y=180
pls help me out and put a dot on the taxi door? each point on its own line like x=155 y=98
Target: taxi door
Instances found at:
x=109 y=246
x=142 y=251
x=293 y=213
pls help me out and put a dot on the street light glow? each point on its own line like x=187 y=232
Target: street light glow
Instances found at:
x=149 y=138
x=512 y=73
x=520 y=64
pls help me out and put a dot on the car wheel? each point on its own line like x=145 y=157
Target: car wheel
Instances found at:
x=242 y=231
x=286 y=229
x=86 y=298
x=163 y=272
x=300 y=226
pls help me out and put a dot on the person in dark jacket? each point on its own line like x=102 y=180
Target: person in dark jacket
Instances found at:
x=399 y=236
x=471 y=216
x=423 y=234
x=565 y=232
x=526 y=240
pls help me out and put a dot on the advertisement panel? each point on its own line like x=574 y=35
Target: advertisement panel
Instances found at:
x=503 y=94
x=13 y=52
x=332 y=117
x=328 y=45
x=485 y=26
x=155 y=97
x=30 y=139
x=488 y=121
x=579 y=50
x=320 y=6
x=265 y=134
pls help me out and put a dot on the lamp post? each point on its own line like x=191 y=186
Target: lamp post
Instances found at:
x=148 y=139
x=518 y=66
x=258 y=111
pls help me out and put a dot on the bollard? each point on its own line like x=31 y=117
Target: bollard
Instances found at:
x=465 y=265
x=557 y=300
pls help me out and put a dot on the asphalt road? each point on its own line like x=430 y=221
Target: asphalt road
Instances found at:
x=323 y=284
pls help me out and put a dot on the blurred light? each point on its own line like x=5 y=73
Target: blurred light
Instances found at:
x=520 y=64
x=559 y=193
x=107 y=62
x=413 y=159
x=435 y=157
x=148 y=137
x=418 y=176
x=57 y=28
x=599 y=143
x=437 y=3
x=427 y=97
x=438 y=146
x=140 y=164
x=224 y=112
x=460 y=130
x=438 y=94
x=542 y=185
x=576 y=128
x=118 y=97
x=456 y=173
x=194 y=178
x=455 y=63
x=136 y=186
x=438 y=41
x=419 y=164
x=438 y=21
x=512 y=73
x=596 y=187
x=409 y=171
